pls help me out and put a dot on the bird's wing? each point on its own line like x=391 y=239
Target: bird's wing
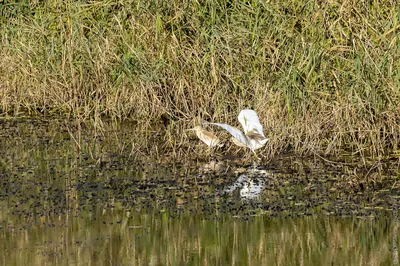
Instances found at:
x=249 y=120
x=236 y=133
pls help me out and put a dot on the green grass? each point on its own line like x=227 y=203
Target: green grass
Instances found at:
x=323 y=76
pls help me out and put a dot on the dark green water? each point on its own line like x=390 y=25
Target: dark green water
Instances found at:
x=74 y=198
x=115 y=237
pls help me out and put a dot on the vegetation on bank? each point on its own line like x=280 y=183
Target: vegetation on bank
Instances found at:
x=322 y=75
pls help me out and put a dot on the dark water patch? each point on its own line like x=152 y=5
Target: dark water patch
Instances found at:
x=61 y=196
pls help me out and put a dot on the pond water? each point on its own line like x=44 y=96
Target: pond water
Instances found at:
x=78 y=197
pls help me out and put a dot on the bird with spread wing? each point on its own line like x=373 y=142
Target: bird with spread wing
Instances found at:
x=253 y=136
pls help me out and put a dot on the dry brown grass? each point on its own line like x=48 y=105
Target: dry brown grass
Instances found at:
x=323 y=76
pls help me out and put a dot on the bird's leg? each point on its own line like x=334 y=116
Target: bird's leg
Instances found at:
x=215 y=154
x=254 y=152
x=255 y=155
x=247 y=156
x=209 y=151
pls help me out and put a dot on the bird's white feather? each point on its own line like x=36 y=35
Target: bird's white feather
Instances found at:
x=249 y=120
x=236 y=133
x=253 y=136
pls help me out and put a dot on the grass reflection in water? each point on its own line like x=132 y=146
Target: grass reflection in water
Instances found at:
x=101 y=204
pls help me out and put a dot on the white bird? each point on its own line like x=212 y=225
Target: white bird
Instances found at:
x=253 y=136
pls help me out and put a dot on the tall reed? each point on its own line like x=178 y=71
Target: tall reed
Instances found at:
x=323 y=76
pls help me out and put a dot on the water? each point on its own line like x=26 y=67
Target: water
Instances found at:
x=113 y=237
x=70 y=197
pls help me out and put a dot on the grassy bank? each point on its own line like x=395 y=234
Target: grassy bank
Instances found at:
x=323 y=76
